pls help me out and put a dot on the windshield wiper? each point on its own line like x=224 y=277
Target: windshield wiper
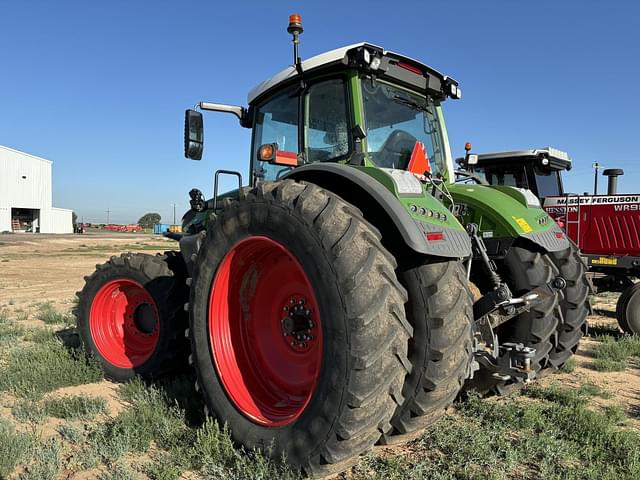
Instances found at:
x=411 y=104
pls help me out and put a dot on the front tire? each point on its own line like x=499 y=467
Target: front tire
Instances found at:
x=131 y=315
x=321 y=388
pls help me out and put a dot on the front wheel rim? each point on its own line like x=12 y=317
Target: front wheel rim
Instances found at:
x=265 y=331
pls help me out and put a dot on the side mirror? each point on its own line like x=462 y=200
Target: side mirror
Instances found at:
x=193 y=135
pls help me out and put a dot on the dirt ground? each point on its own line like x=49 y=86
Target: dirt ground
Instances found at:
x=36 y=269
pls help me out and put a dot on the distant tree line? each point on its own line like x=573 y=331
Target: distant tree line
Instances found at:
x=148 y=220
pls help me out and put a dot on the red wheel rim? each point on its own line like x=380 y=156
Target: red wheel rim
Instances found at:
x=265 y=331
x=124 y=323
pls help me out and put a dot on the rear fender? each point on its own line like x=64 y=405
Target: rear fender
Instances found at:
x=382 y=208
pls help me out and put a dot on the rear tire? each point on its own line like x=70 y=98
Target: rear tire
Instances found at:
x=131 y=315
x=524 y=270
x=343 y=404
x=628 y=310
x=574 y=304
x=440 y=310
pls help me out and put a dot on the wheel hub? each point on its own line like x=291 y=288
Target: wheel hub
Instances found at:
x=297 y=325
x=144 y=318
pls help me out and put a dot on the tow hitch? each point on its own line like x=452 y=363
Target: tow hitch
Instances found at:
x=508 y=360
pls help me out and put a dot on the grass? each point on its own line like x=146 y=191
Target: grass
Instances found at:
x=28 y=411
x=545 y=433
x=14 y=447
x=569 y=366
x=120 y=471
x=9 y=330
x=79 y=407
x=50 y=316
x=613 y=354
x=45 y=464
x=33 y=369
x=159 y=415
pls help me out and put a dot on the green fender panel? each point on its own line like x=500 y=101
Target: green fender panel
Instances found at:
x=506 y=212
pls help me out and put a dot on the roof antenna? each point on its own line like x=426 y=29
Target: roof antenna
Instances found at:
x=295 y=29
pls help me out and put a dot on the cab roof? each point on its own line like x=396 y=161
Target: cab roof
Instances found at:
x=558 y=159
x=326 y=59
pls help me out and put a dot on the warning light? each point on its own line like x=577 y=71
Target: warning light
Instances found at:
x=467 y=146
x=267 y=152
x=295 y=24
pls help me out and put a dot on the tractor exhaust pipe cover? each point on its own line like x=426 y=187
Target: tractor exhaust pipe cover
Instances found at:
x=613 y=174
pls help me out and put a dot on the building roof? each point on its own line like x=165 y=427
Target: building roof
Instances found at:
x=326 y=58
x=12 y=150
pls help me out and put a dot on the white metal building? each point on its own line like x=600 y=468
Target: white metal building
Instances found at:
x=26 y=195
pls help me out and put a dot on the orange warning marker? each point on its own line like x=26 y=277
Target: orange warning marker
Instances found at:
x=419 y=161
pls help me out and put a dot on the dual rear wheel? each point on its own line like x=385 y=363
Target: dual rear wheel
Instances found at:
x=300 y=337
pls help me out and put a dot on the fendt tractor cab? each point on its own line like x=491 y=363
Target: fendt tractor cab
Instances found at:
x=604 y=227
x=329 y=301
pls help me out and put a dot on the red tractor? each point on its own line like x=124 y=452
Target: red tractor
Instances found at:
x=606 y=228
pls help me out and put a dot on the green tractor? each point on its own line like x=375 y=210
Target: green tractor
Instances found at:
x=527 y=247
x=326 y=306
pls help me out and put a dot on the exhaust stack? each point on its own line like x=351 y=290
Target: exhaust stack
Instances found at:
x=613 y=174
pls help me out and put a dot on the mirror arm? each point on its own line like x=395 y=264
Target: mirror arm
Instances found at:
x=238 y=111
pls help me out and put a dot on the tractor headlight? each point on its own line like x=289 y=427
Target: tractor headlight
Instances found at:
x=406 y=182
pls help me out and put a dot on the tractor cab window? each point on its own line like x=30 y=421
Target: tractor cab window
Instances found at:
x=276 y=121
x=326 y=122
x=396 y=121
x=504 y=175
x=547 y=182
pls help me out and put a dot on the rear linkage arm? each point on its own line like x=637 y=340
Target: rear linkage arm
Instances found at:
x=498 y=306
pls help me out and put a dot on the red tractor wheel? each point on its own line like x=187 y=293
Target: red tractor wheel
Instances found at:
x=270 y=364
x=131 y=316
x=297 y=326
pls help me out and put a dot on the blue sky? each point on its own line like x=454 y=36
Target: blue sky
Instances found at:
x=100 y=87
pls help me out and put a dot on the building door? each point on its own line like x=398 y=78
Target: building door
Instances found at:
x=25 y=220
